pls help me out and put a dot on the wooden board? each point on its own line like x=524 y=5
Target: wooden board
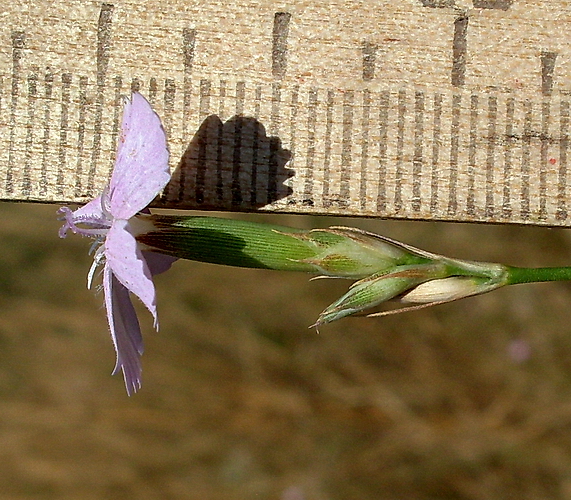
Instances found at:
x=420 y=109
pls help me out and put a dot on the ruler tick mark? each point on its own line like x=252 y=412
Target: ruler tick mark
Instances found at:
x=369 y=59
x=438 y=4
x=117 y=106
x=492 y=4
x=153 y=91
x=383 y=131
x=327 y=147
x=509 y=141
x=48 y=90
x=401 y=123
x=255 y=148
x=525 y=210
x=417 y=160
x=63 y=129
x=274 y=144
x=547 y=68
x=310 y=155
x=204 y=109
x=79 y=191
x=472 y=149
x=434 y=179
x=459 y=50
x=135 y=85
x=563 y=154
x=30 y=125
x=18 y=45
x=219 y=143
x=188 y=47
x=167 y=118
x=490 y=158
x=364 y=147
x=103 y=55
x=454 y=154
x=236 y=189
x=292 y=128
x=544 y=152
x=279 y=45
x=346 y=148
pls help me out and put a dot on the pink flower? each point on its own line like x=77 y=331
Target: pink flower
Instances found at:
x=141 y=172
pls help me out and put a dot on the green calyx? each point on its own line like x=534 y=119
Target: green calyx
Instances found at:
x=338 y=252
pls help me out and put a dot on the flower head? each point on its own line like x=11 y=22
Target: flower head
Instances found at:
x=141 y=171
x=412 y=277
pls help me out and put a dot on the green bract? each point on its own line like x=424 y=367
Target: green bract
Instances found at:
x=385 y=270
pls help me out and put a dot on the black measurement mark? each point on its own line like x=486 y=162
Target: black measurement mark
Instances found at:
x=369 y=60
x=274 y=146
x=117 y=107
x=103 y=55
x=365 y=123
x=279 y=45
x=153 y=91
x=547 y=67
x=103 y=42
x=346 y=148
x=169 y=96
x=454 y=152
x=204 y=110
x=492 y=4
x=417 y=159
x=383 y=128
x=48 y=91
x=30 y=125
x=525 y=211
x=544 y=152
x=18 y=45
x=401 y=112
x=439 y=4
x=256 y=147
x=236 y=189
x=459 y=51
x=434 y=177
x=562 y=172
x=327 y=148
x=472 y=150
x=81 y=138
x=460 y=38
x=170 y=91
x=188 y=47
x=219 y=149
x=63 y=128
x=491 y=153
x=135 y=85
x=293 y=126
x=307 y=200
x=509 y=141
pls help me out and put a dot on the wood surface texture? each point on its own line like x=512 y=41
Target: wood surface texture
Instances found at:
x=418 y=109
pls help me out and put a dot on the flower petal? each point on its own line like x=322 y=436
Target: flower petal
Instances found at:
x=127 y=262
x=141 y=167
x=125 y=330
x=91 y=214
x=157 y=262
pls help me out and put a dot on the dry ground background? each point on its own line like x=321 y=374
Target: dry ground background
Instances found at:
x=242 y=401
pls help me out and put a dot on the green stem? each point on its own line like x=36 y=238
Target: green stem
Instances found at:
x=518 y=275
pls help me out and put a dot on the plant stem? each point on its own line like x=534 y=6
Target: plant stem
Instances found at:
x=518 y=275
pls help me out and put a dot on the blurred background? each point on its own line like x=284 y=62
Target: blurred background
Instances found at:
x=240 y=400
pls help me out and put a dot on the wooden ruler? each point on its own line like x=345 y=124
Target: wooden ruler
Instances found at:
x=420 y=109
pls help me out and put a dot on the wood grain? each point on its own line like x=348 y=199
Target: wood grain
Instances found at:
x=421 y=109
